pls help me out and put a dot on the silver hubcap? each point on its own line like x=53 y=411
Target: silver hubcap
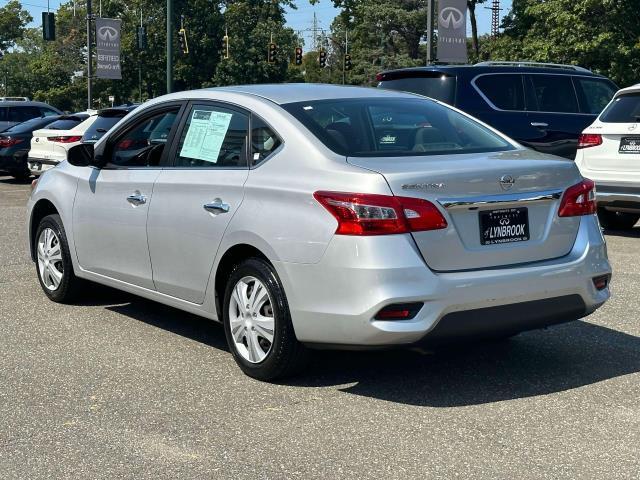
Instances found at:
x=251 y=319
x=50 y=259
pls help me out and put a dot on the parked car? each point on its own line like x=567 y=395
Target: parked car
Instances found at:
x=15 y=143
x=609 y=153
x=542 y=106
x=305 y=215
x=14 y=112
x=106 y=119
x=49 y=146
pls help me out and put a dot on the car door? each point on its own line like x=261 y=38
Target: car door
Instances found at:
x=195 y=198
x=555 y=112
x=112 y=203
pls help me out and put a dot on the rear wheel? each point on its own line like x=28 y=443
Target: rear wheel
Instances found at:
x=21 y=175
x=617 y=220
x=257 y=323
x=53 y=261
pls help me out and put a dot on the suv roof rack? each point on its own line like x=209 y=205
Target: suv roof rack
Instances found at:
x=533 y=64
x=14 y=99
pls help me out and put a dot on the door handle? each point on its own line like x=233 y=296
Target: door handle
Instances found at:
x=136 y=198
x=539 y=124
x=217 y=206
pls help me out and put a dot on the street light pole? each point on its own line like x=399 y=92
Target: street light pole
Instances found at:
x=89 y=57
x=169 y=46
x=429 y=32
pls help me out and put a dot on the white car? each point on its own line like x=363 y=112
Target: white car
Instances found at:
x=609 y=153
x=50 y=145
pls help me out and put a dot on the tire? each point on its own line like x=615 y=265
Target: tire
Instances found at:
x=53 y=262
x=20 y=175
x=248 y=330
x=617 y=220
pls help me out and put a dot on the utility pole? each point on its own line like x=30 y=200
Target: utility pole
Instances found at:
x=169 y=46
x=429 y=32
x=315 y=32
x=495 y=18
x=346 y=52
x=89 y=56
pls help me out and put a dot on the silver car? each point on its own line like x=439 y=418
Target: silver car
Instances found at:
x=306 y=216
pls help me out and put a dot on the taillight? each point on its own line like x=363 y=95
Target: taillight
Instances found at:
x=69 y=139
x=379 y=77
x=579 y=200
x=370 y=214
x=587 y=140
x=9 y=142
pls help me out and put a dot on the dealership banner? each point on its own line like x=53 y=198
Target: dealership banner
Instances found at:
x=108 y=48
x=452 y=31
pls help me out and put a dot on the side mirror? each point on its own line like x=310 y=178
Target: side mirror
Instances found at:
x=81 y=155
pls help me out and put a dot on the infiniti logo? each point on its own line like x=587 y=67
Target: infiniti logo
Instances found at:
x=505 y=221
x=507 y=181
x=451 y=17
x=107 y=34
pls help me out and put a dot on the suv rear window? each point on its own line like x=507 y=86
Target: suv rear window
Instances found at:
x=624 y=109
x=504 y=91
x=375 y=127
x=594 y=93
x=430 y=84
x=30 y=125
x=100 y=126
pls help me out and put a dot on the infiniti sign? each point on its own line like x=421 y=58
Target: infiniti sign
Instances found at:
x=108 y=34
x=451 y=17
x=108 y=48
x=452 y=31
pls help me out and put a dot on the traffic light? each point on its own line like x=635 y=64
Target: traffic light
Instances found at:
x=298 y=59
x=322 y=58
x=48 y=26
x=225 y=46
x=273 y=50
x=347 y=61
x=182 y=40
x=141 y=37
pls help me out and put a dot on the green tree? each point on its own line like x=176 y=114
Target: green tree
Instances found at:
x=13 y=20
x=471 y=5
x=602 y=35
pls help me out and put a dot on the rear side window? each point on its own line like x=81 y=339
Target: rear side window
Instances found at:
x=3 y=114
x=65 y=124
x=503 y=91
x=440 y=86
x=264 y=141
x=594 y=94
x=554 y=93
x=22 y=114
x=47 y=112
x=624 y=109
x=388 y=127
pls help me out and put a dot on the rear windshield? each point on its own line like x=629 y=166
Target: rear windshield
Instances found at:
x=100 y=127
x=374 y=127
x=31 y=125
x=439 y=86
x=66 y=124
x=624 y=109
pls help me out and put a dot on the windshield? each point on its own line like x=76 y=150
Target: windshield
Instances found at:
x=374 y=127
x=31 y=125
x=624 y=109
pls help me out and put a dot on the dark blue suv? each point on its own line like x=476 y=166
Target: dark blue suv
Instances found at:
x=542 y=106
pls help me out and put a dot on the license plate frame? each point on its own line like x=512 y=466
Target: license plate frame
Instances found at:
x=633 y=142
x=504 y=226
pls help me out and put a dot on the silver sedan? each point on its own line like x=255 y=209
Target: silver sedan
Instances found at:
x=306 y=216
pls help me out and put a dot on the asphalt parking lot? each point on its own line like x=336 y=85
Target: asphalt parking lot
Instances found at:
x=120 y=387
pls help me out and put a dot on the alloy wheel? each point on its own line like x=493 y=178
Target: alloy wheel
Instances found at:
x=50 y=264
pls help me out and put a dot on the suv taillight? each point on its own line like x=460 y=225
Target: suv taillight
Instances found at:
x=370 y=214
x=65 y=139
x=586 y=140
x=579 y=200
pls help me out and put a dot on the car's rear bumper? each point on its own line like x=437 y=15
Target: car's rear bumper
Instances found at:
x=39 y=165
x=619 y=197
x=335 y=301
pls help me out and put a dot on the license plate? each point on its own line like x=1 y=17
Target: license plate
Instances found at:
x=629 y=145
x=508 y=225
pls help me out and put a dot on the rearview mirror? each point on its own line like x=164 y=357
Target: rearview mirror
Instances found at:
x=81 y=155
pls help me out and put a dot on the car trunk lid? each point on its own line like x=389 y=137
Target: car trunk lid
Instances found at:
x=467 y=187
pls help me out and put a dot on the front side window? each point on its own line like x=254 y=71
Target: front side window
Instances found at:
x=143 y=145
x=554 y=93
x=264 y=141
x=624 y=109
x=394 y=127
x=503 y=91
x=596 y=94
x=22 y=114
x=213 y=137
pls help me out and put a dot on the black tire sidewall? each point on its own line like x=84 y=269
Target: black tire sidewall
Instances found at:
x=62 y=293
x=612 y=220
x=271 y=366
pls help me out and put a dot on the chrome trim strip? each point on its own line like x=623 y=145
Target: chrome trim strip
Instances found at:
x=456 y=203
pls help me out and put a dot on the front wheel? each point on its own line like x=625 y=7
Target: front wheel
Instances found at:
x=617 y=220
x=53 y=261
x=257 y=323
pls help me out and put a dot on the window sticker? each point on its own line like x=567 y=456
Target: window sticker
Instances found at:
x=206 y=133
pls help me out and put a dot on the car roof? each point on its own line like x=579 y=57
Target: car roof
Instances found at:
x=291 y=92
x=632 y=89
x=481 y=69
x=22 y=103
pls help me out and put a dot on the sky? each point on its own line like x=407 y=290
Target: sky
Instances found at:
x=300 y=19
